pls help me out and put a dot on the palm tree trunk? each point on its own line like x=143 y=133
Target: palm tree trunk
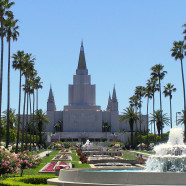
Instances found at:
x=147 y=123
x=37 y=99
x=161 y=111
x=36 y=124
x=170 y=111
x=27 y=122
x=1 y=71
x=140 y=121
x=184 y=101
x=154 y=118
x=33 y=116
x=8 y=98
x=131 y=128
x=23 y=121
x=30 y=122
x=17 y=141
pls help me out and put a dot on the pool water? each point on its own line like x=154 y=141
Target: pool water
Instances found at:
x=116 y=170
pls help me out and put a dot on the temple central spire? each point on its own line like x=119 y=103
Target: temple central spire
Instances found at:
x=82 y=61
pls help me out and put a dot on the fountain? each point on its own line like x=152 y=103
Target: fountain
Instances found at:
x=166 y=167
x=170 y=156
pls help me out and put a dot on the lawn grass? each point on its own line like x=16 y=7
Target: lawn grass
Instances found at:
x=46 y=159
x=75 y=161
x=129 y=156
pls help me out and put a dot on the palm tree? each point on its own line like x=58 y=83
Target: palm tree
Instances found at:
x=12 y=118
x=139 y=92
x=184 y=32
x=129 y=116
x=155 y=88
x=41 y=120
x=28 y=68
x=18 y=64
x=37 y=85
x=161 y=120
x=148 y=95
x=11 y=33
x=158 y=72
x=181 y=120
x=5 y=5
x=178 y=53
x=168 y=90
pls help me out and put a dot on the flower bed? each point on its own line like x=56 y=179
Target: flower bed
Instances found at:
x=54 y=166
x=62 y=158
x=65 y=151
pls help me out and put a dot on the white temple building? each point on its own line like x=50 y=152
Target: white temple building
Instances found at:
x=82 y=119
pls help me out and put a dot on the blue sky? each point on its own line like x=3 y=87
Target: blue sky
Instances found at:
x=122 y=41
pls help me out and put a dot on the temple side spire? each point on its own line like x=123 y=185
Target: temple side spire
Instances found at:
x=51 y=102
x=114 y=98
x=109 y=103
x=82 y=61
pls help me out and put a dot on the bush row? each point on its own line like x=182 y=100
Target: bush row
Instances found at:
x=28 y=180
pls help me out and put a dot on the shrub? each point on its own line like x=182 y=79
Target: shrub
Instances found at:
x=27 y=160
x=8 y=162
x=28 y=180
x=115 y=143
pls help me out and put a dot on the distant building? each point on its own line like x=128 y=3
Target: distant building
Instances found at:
x=82 y=119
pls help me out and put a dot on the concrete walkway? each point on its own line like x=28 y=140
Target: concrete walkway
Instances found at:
x=43 y=154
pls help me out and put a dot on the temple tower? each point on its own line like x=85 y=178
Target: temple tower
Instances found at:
x=114 y=115
x=51 y=102
x=82 y=114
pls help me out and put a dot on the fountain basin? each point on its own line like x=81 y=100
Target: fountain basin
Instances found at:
x=104 y=176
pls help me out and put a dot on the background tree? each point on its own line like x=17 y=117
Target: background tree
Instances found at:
x=41 y=119
x=178 y=52
x=18 y=64
x=139 y=92
x=161 y=120
x=168 y=90
x=12 y=118
x=154 y=87
x=5 y=5
x=181 y=120
x=159 y=73
x=11 y=33
x=129 y=116
x=184 y=32
x=148 y=95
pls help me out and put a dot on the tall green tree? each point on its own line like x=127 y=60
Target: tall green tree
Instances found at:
x=178 y=51
x=139 y=92
x=154 y=87
x=159 y=73
x=11 y=33
x=129 y=116
x=148 y=95
x=181 y=120
x=168 y=90
x=28 y=69
x=161 y=120
x=5 y=5
x=37 y=85
x=184 y=32
x=12 y=118
x=41 y=119
x=18 y=64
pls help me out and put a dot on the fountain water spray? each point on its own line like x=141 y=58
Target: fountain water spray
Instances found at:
x=170 y=156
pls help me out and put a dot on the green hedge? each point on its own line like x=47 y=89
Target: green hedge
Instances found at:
x=113 y=143
x=28 y=180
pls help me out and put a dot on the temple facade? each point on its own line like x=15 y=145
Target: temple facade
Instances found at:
x=82 y=119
